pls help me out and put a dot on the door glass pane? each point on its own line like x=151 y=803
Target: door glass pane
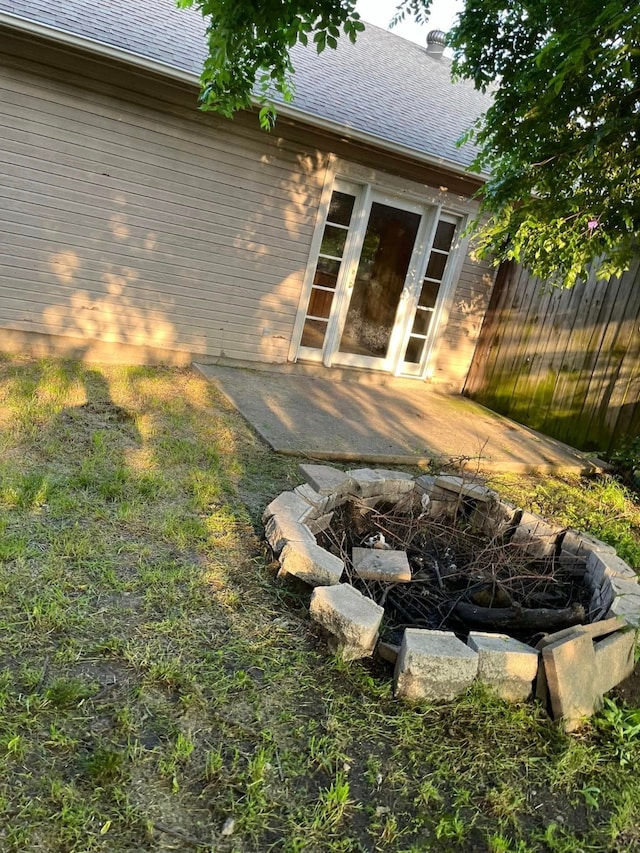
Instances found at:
x=429 y=294
x=436 y=265
x=326 y=273
x=382 y=270
x=320 y=303
x=421 y=322
x=414 y=350
x=444 y=235
x=341 y=208
x=333 y=241
x=313 y=333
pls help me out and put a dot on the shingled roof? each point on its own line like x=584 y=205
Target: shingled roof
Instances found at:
x=383 y=87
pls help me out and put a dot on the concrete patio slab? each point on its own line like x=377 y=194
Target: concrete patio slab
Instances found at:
x=328 y=417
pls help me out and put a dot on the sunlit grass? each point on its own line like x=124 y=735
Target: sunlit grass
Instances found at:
x=600 y=505
x=156 y=682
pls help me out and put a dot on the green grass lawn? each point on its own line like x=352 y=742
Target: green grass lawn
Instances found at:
x=158 y=685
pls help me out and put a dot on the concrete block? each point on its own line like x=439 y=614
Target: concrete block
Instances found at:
x=626 y=582
x=433 y=665
x=368 y=482
x=569 y=667
x=601 y=628
x=492 y=517
x=466 y=488
x=535 y=536
x=608 y=595
x=351 y=620
x=626 y=600
x=313 y=498
x=593 y=630
x=400 y=476
x=290 y=503
x=505 y=664
x=310 y=563
x=283 y=528
x=317 y=525
x=614 y=659
x=566 y=559
x=425 y=484
x=441 y=509
x=396 y=481
x=579 y=671
x=336 y=500
x=372 y=502
x=599 y=604
x=387 y=651
x=393 y=494
x=581 y=544
x=505 y=511
x=381 y=565
x=601 y=563
x=450 y=483
x=401 y=501
x=327 y=480
x=542 y=687
x=446 y=496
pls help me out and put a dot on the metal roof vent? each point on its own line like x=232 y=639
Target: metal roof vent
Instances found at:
x=436 y=43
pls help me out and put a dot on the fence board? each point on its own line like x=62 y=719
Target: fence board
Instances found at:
x=563 y=356
x=591 y=359
x=537 y=378
x=563 y=361
x=599 y=408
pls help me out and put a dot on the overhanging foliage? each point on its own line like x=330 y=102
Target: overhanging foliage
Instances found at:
x=249 y=43
x=560 y=140
x=561 y=137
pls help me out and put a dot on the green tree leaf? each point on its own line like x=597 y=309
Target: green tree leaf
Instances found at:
x=559 y=142
x=561 y=138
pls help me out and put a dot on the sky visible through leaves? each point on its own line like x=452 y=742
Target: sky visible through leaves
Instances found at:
x=380 y=12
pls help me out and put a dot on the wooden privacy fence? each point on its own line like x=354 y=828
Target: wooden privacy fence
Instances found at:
x=565 y=362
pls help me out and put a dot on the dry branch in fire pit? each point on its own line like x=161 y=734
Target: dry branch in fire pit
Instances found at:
x=461 y=578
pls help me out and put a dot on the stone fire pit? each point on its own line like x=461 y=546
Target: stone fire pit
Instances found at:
x=584 y=650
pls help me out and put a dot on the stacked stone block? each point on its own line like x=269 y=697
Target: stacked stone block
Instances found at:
x=436 y=665
x=505 y=664
x=350 y=619
x=433 y=665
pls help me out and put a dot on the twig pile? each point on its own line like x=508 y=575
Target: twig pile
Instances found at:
x=460 y=577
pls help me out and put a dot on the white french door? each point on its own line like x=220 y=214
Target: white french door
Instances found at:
x=376 y=281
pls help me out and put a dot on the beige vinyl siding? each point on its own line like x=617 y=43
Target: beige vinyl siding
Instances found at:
x=126 y=225
x=458 y=339
x=140 y=222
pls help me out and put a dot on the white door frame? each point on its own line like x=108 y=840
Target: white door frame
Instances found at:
x=348 y=270
x=334 y=356
x=420 y=369
x=370 y=186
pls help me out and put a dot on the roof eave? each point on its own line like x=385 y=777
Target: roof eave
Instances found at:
x=103 y=49
x=355 y=135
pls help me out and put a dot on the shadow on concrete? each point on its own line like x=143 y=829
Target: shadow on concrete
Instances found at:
x=400 y=423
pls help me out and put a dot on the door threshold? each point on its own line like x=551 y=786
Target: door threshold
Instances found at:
x=358 y=375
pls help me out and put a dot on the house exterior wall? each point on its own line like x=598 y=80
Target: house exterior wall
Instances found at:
x=456 y=347
x=126 y=226
x=135 y=228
